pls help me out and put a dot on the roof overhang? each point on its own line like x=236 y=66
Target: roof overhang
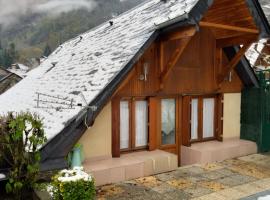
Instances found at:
x=259 y=18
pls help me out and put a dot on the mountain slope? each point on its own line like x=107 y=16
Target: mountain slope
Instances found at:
x=34 y=31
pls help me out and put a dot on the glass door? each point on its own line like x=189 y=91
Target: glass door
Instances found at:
x=168 y=119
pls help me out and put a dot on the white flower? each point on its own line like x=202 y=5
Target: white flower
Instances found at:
x=2 y=176
x=74 y=175
x=78 y=168
x=264 y=198
x=50 y=190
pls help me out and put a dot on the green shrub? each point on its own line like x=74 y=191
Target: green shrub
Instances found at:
x=73 y=185
x=20 y=137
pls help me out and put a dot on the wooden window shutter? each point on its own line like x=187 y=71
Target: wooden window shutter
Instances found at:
x=219 y=129
x=186 y=121
x=116 y=127
x=153 y=120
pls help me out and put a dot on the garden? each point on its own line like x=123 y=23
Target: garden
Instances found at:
x=21 y=136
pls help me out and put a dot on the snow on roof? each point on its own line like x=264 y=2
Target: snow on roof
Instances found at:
x=254 y=51
x=88 y=63
x=19 y=69
x=23 y=67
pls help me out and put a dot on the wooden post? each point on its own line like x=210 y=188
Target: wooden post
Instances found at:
x=153 y=120
x=186 y=121
x=116 y=127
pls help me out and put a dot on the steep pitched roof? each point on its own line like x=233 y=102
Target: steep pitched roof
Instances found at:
x=88 y=63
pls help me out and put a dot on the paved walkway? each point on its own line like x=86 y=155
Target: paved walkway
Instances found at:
x=230 y=179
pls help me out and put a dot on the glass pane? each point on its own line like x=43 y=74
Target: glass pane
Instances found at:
x=168 y=121
x=124 y=125
x=208 y=117
x=141 y=123
x=194 y=119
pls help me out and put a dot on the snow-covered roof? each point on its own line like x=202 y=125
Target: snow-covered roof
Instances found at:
x=88 y=63
x=19 y=69
x=254 y=51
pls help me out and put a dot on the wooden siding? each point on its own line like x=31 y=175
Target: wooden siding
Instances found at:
x=195 y=72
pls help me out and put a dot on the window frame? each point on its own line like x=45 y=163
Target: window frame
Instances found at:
x=173 y=148
x=132 y=124
x=200 y=118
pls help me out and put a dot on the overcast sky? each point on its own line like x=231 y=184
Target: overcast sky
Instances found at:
x=11 y=10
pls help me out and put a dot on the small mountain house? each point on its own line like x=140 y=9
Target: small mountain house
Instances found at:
x=154 y=88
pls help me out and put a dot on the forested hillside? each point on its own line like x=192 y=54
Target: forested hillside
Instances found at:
x=35 y=35
x=38 y=34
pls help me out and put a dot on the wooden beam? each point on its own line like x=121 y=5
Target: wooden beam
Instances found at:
x=228 y=27
x=179 y=34
x=172 y=62
x=231 y=65
x=237 y=40
x=116 y=127
x=161 y=56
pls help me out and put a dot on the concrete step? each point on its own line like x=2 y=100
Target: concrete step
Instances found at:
x=130 y=166
x=213 y=151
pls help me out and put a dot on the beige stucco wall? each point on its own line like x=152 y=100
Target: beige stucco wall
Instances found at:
x=96 y=140
x=231 y=115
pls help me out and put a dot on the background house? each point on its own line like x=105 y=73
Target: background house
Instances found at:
x=7 y=80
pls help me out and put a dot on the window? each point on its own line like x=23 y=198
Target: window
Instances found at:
x=202 y=118
x=141 y=123
x=208 y=117
x=124 y=125
x=168 y=112
x=194 y=119
x=133 y=124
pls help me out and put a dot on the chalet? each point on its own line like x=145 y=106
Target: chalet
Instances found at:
x=7 y=79
x=154 y=88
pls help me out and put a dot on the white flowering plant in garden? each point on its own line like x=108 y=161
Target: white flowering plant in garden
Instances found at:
x=74 y=184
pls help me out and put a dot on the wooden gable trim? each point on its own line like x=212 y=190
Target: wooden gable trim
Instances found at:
x=228 y=27
x=235 y=60
x=236 y=40
x=173 y=60
x=185 y=32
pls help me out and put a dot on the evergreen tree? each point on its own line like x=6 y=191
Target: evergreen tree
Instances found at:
x=1 y=55
x=9 y=55
x=47 y=50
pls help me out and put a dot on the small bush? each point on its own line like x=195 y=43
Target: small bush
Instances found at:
x=20 y=137
x=73 y=185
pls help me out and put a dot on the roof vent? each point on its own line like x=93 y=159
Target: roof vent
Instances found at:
x=98 y=54
x=164 y=1
x=111 y=23
x=54 y=63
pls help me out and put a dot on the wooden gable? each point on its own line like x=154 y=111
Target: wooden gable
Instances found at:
x=182 y=62
x=229 y=18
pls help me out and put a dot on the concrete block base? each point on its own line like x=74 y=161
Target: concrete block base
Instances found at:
x=131 y=166
x=212 y=151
